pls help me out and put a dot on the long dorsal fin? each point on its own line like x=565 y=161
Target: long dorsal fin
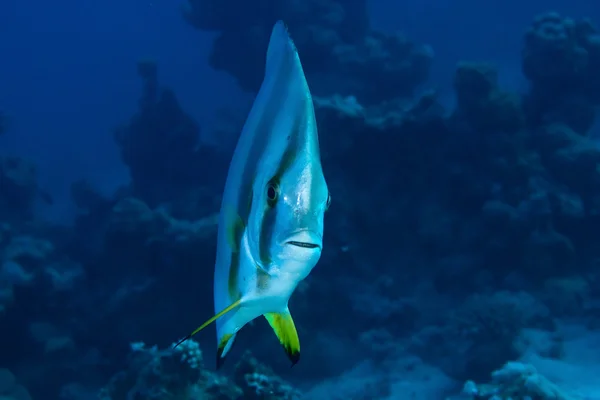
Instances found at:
x=283 y=64
x=281 y=49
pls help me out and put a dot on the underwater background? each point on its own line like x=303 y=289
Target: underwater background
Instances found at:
x=461 y=148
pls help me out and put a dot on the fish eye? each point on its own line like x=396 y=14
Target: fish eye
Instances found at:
x=272 y=192
x=328 y=202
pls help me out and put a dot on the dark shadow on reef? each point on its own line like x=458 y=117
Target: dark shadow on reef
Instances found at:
x=453 y=234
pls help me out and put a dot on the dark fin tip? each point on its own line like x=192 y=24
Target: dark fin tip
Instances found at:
x=182 y=340
x=293 y=356
x=220 y=360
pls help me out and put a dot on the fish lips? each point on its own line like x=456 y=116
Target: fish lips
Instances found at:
x=305 y=240
x=305 y=245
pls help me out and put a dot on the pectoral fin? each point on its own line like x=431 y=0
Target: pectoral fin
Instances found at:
x=284 y=328
x=210 y=321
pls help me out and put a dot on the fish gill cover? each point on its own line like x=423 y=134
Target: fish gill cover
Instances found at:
x=460 y=254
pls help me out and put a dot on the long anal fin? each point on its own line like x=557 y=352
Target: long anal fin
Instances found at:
x=284 y=328
x=210 y=321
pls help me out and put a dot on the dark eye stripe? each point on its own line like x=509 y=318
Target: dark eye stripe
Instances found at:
x=266 y=235
x=244 y=202
x=269 y=216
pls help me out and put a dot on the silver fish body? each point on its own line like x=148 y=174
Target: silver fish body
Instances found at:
x=270 y=232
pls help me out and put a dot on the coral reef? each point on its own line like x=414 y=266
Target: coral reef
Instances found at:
x=458 y=240
x=260 y=382
x=160 y=146
x=501 y=318
x=167 y=374
x=561 y=59
x=482 y=103
x=180 y=374
x=516 y=381
x=341 y=54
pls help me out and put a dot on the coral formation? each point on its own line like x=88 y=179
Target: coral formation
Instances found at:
x=482 y=103
x=180 y=374
x=260 y=382
x=561 y=59
x=341 y=53
x=516 y=381
x=160 y=146
x=500 y=318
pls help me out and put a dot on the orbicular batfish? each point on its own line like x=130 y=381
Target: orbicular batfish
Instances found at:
x=270 y=233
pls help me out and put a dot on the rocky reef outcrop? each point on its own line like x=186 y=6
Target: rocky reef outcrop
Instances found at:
x=561 y=58
x=167 y=163
x=153 y=373
x=341 y=53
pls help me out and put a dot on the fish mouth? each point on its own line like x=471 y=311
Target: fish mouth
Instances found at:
x=305 y=245
x=304 y=239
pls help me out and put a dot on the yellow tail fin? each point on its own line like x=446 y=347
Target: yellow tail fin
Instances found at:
x=210 y=321
x=284 y=328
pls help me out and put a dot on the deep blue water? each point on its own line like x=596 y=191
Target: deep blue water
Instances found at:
x=480 y=204
x=69 y=79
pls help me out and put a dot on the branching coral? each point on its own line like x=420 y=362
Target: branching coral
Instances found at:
x=179 y=373
x=157 y=374
x=259 y=382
